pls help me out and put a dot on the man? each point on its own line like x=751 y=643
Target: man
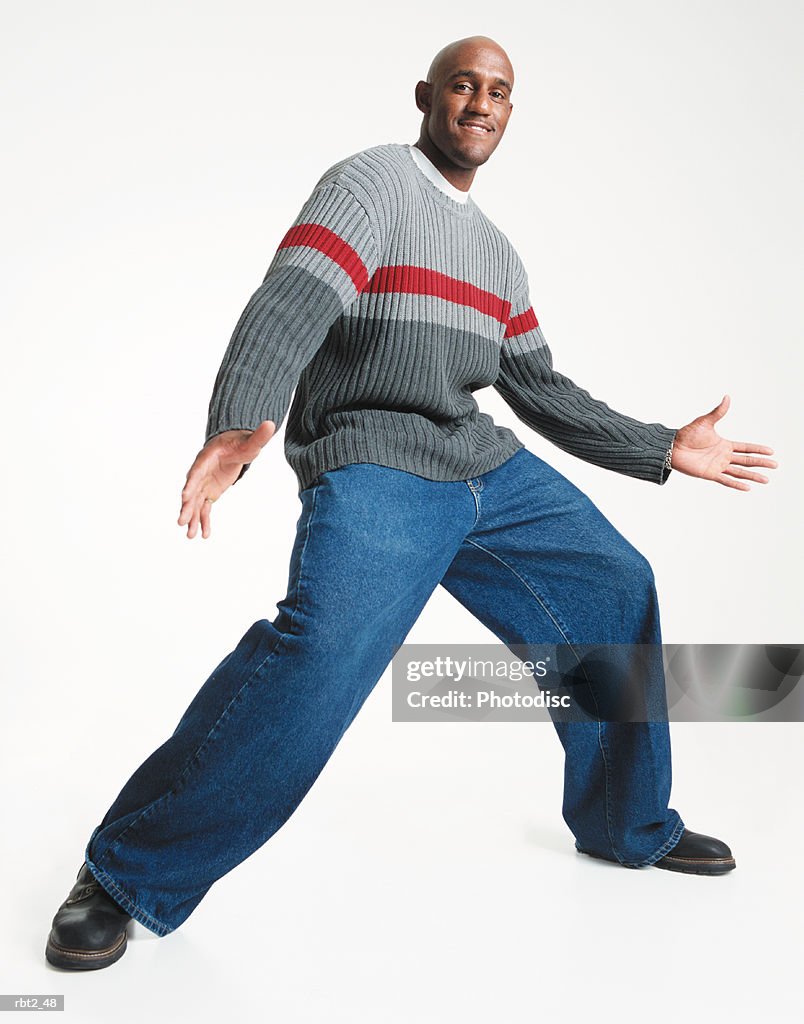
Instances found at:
x=389 y=301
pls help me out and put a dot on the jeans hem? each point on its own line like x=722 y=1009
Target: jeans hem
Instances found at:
x=122 y=898
x=665 y=848
x=652 y=858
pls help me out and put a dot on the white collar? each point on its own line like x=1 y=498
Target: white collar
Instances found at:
x=428 y=168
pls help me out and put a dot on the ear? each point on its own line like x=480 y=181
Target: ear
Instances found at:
x=423 y=96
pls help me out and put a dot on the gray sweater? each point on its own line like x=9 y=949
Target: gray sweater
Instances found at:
x=386 y=305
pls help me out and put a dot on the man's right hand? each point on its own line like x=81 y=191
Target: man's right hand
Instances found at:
x=216 y=467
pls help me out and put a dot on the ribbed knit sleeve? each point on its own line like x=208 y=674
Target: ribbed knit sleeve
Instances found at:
x=322 y=264
x=554 y=406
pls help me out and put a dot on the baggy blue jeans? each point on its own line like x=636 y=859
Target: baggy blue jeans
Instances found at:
x=521 y=547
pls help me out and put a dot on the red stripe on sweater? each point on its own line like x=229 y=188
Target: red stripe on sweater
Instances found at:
x=521 y=323
x=422 y=281
x=316 y=236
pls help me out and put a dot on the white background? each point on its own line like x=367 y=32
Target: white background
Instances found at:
x=650 y=179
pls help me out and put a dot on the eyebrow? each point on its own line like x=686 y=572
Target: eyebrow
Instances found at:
x=468 y=73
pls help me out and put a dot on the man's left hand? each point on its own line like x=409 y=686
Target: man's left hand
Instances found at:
x=699 y=450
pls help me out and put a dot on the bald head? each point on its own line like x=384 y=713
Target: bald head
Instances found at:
x=466 y=104
x=448 y=58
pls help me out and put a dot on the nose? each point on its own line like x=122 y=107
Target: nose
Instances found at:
x=480 y=102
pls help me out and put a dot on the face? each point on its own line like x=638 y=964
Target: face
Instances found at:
x=468 y=104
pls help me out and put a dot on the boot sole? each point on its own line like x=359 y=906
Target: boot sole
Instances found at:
x=83 y=960
x=687 y=866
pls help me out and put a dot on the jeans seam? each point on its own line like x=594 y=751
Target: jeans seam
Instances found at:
x=308 y=531
x=193 y=761
x=477 y=504
x=563 y=631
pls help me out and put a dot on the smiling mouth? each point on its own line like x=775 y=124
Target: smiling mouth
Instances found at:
x=475 y=128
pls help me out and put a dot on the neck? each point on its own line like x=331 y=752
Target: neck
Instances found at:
x=460 y=177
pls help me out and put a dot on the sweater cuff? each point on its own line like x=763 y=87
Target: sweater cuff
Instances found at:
x=646 y=459
x=667 y=467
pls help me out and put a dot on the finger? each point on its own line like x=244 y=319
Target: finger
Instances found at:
x=192 y=528
x=729 y=482
x=746 y=446
x=265 y=431
x=251 y=446
x=187 y=506
x=206 y=528
x=749 y=460
x=189 y=495
x=745 y=474
x=719 y=410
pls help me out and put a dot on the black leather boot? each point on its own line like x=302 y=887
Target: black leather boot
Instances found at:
x=89 y=929
x=697 y=854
